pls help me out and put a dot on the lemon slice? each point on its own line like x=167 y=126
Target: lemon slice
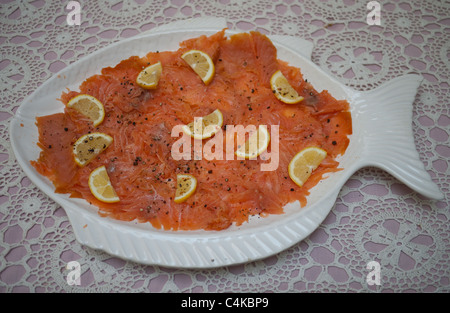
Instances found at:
x=88 y=146
x=148 y=78
x=206 y=126
x=256 y=144
x=89 y=106
x=283 y=90
x=201 y=63
x=186 y=186
x=101 y=187
x=304 y=163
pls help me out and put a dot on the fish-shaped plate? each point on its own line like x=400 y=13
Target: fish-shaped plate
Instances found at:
x=382 y=137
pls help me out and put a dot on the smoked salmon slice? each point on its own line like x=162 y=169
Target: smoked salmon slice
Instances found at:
x=139 y=161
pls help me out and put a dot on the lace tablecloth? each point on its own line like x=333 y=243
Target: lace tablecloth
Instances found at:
x=375 y=218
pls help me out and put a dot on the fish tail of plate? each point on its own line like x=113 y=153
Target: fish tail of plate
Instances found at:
x=385 y=118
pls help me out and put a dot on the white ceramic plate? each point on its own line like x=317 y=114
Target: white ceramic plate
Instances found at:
x=382 y=136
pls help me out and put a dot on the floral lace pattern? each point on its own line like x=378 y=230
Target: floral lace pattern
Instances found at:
x=375 y=218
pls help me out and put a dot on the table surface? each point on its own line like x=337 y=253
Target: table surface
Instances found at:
x=375 y=218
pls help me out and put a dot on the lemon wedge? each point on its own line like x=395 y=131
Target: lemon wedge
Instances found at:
x=256 y=144
x=283 y=90
x=89 y=106
x=304 y=163
x=88 y=146
x=148 y=78
x=206 y=126
x=201 y=63
x=186 y=186
x=101 y=187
